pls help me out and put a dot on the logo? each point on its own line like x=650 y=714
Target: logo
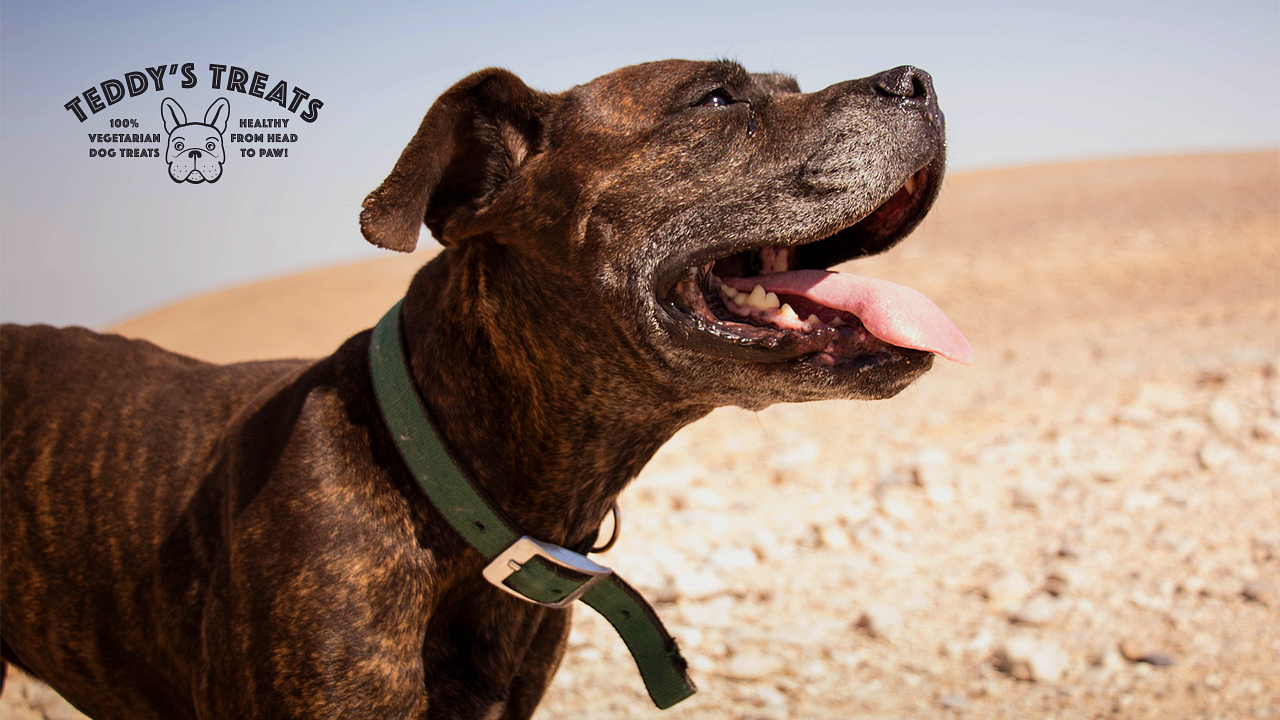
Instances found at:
x=195 y=153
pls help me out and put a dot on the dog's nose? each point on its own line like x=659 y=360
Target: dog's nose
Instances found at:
x=195 y=154
x=911 y=84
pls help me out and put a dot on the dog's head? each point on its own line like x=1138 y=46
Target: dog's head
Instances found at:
x=194 y=152
x=686 y=212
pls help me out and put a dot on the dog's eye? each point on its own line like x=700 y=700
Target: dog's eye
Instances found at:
x=718 y=98
x=177 y=145
x=209 y=146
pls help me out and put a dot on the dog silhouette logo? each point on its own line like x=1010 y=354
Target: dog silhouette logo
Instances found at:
x=195 y=153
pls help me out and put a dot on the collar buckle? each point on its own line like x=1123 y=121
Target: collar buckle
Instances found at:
x=559 y=591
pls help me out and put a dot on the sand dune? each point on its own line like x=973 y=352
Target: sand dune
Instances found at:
x=1108 y=471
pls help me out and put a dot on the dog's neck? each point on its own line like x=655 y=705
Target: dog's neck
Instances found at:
x=551 y=420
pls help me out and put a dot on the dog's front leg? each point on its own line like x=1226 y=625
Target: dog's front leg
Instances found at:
x=541 y=662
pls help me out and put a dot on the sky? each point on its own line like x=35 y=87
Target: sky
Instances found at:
x=94 y=240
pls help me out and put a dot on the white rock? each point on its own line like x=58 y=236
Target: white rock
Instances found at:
x=1136 y=502
x=1267 y=429
x=733 y=558
x=1006 y=591
x=688 y=637
x=940 y=494
x=933 y=466
x=814 y=670
x=898 y=510
x=805 y=453
x=751 y=665
x=1264 y=592
x=1039 y=610
x=714 y=613
x=880 y=620
x=698 y=585
x=707 y=498
x=980 y=644
x=701 y=663
x=1214 y=455
x=1225 y=416
x=952 y=701
x=1109 y=661
x=834 y=537
x=1026 y=658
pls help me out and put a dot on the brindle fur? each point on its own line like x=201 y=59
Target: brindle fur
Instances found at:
x=188 y=540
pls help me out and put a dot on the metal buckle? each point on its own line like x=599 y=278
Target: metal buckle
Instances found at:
x=521 y=551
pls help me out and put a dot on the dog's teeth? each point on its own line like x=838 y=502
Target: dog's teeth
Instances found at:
x=814 y=320
x=910 y=185
x=786 y=312
x=836 y=321
x=741 y=298
x=771 y=301
x=756 y=299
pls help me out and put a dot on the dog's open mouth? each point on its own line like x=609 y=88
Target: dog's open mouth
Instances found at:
x=778 y=302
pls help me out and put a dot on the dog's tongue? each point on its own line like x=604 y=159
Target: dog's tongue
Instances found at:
x=891 y=312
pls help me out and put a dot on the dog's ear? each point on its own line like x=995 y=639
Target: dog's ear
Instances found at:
x=217 y=115
x=173 y=114
x=472 y=140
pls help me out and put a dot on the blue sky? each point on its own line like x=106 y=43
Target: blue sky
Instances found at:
x=91 y=241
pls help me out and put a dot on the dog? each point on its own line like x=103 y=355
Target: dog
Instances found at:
x=196 y=154
x=189 y=540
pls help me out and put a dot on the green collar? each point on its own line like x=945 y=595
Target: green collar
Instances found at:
x=535 y=571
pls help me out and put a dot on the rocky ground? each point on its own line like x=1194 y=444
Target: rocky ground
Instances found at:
x=1083 y=524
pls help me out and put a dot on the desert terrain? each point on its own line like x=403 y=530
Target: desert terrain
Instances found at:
x=1083 y=524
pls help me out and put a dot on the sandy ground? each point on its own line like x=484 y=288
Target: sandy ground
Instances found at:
x=1083 y=524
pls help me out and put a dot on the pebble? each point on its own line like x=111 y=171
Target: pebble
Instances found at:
x=834 y=537
x=952 y=701
x=698 y=585
x=1139 y=650
x=1059 y=580
x=814 y=670
x=1026 y=658
x=1110 y=661
x=750 y=665
x=1162 y=398
x=700 y=663
x=1267 y=429
x=716 y=612
x=940 y=495
x=898 y=510
x=1039 y=610
x=769 y=546
x=707 y=498
x=1265 y=547
x=767 y=714
x=798 y=456
x=980 y=644
x=1214 y=455
x=933 y=466
x=1007 y=590
x=732 y=558
x=1225 y=416
x=1262 y=591
x=880 y=620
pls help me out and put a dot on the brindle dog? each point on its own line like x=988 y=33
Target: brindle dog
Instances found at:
x=189 y=540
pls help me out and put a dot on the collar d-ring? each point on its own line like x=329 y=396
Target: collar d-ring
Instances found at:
x=613 y=537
